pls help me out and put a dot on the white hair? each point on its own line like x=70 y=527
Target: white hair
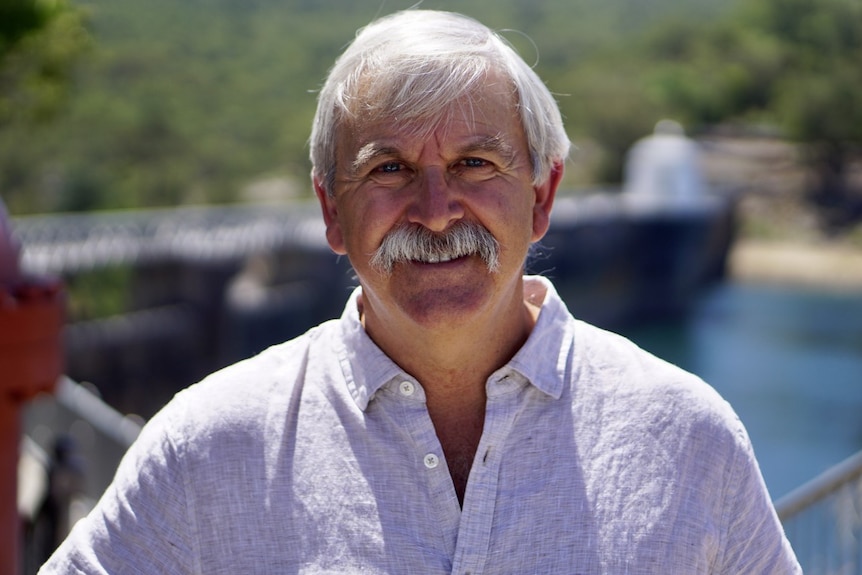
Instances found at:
x=414 y=67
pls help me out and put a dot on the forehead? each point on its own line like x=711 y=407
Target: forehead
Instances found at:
x=487 y=114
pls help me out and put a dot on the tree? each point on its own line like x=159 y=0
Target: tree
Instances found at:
x=817 y=97
x=793 y=63
x=39 y=41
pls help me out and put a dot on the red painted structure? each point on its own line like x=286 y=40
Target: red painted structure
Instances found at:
x=31 y=318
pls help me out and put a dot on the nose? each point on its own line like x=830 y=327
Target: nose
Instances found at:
x=436 y=205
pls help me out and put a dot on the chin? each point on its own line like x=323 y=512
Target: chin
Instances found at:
x=446 y=306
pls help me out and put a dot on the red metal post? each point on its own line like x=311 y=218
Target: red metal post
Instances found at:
x=31 y=318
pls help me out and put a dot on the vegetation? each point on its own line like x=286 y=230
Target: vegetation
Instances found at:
x=193 y=101
x=99 y=293
x=38 y=42
x=793 y=64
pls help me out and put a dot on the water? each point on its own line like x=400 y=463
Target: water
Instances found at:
x=789 y=360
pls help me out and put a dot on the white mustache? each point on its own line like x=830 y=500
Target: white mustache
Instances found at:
x=418 y=243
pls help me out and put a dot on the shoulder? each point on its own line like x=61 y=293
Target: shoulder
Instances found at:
x=182 y=475
x=659 y=446
x=615 y=363
x=240 y=399
x=639 y=390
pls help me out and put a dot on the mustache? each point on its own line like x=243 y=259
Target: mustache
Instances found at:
x=410 y=242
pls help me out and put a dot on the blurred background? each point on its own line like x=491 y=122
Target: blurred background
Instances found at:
x=154 y=156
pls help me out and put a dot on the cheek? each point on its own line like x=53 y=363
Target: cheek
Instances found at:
x=508 y=221
x=368 y=221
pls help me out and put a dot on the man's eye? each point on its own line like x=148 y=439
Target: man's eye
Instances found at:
x=474 y=163
x=389 y=167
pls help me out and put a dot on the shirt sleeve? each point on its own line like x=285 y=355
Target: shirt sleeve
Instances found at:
x=754 y=537
x=142 y=523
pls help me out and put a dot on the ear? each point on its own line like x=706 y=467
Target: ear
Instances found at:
x=328 y=206
x=545 y=194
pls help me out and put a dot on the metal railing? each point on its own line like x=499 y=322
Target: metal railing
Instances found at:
x=823 y=520
x=72 y=445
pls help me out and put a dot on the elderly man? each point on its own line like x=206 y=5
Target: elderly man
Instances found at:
x=456 y=418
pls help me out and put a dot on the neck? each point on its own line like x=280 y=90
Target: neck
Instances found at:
x=454 y=359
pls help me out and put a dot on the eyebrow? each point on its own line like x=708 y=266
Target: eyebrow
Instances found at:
x=491 y=144
x=368 y=153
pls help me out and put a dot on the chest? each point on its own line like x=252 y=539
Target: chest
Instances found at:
x=459 y=439
x=374 y=496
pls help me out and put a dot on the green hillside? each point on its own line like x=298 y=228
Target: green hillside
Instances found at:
x=190 y=101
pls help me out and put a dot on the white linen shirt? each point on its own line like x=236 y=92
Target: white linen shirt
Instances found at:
x=318 y=456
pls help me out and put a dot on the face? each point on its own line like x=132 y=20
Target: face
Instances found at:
x=471 y=169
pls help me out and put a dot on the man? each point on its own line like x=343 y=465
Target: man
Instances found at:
x=456 y=419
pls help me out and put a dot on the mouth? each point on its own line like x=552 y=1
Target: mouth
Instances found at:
x=440 y=258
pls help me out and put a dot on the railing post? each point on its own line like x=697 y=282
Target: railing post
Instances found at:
x=31 y=319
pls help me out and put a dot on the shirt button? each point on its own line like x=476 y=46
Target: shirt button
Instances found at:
x=407 y=388
x=431 y=461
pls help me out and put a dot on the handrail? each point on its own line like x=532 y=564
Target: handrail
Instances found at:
x=823 y=520
x=72 y=445
x=820 y=487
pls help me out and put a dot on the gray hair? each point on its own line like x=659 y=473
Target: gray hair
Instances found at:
x=417 y=243
x=411 y=67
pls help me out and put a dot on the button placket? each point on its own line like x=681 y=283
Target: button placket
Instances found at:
x=405 y=401
x=405 y=414
x=479 y=504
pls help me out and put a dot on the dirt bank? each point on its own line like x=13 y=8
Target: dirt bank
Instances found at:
x=779 y=236
x=811 y=265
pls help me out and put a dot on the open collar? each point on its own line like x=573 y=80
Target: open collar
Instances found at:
x=542 y=360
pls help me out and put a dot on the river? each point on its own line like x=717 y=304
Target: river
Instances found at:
x=788 y=359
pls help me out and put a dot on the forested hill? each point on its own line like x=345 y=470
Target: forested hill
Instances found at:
x=190 y=101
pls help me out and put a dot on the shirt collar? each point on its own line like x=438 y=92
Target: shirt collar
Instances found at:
x=544 y=357
x=542 y=360
x=366 y=368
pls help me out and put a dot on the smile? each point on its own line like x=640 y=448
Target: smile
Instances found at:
x=440 y=258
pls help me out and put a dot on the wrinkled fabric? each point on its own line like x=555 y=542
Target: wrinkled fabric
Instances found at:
x=318 y=456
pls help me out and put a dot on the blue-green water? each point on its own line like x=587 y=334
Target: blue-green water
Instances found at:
x=789 y=360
